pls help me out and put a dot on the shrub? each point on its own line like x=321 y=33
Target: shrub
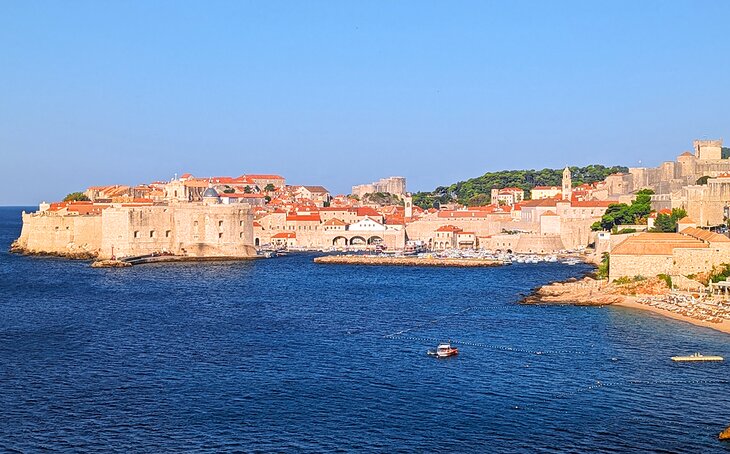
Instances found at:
x=667 y=279
x=76 y=197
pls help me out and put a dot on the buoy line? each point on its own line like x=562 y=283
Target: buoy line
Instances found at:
x=632 y=383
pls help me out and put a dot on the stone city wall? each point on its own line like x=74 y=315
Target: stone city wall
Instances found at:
x=69 y=235
x=192 y=230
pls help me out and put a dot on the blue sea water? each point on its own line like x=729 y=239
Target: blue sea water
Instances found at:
x=282 y=355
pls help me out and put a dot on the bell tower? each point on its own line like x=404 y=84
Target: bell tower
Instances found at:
x=567 y=184
x=408 y=205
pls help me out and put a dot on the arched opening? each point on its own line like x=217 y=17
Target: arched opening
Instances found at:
x=375 y=240
x=357 y=241
x=340 y=241
x=257 y=242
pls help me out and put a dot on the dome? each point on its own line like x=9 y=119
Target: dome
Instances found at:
x=210 y=193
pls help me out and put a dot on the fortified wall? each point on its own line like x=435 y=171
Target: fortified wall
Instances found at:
x=66 y=235
x=193 y=230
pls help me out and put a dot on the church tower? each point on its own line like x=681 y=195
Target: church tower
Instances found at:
x=408 y=205
x=567 y=184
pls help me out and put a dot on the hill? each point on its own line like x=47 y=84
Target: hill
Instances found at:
x=477 y=191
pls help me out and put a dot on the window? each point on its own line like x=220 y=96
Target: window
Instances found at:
x=136 y=233
x=167 y=233
x=152 y=233
x=220 y=223
x=240 y=235
x=220 y=235
x=195 y=224
x=240 y=223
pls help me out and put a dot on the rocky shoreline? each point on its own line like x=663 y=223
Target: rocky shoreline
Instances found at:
x=16 y=248
x=590 y=291
x=405 y=261
x=110 y=264
x=578 y=292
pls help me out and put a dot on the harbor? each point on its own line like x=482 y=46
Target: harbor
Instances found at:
x=407 y=261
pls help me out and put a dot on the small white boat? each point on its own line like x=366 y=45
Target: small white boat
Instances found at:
x=697 y=357
x=444 y=351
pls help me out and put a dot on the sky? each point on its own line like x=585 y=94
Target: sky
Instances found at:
x=346 y=92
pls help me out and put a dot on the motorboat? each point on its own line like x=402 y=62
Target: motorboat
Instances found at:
x=444 y=351
x=697 y=357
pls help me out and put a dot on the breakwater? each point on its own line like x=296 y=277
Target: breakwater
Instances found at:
x=406 y=261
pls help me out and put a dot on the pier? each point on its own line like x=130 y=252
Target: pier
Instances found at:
x=407 y=261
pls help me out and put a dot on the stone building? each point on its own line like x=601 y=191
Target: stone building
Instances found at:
x=650 y=254
x=391 y=185
x=507 y=196
x=669 y=177
x=707 y=204
x=124 y=230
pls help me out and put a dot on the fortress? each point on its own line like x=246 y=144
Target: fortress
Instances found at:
x=698 y=182
x=92 y=230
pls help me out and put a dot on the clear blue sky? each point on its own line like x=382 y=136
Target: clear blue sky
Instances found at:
x=344 y=92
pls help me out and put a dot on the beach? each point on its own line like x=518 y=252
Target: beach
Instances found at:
x=632 y=303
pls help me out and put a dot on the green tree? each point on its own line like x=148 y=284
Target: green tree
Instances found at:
x=702 y=180
x=76 y=197
x=667 y=223
x=621 y=213
x=478 y=200
x=604 y=266
x=463 y=191
x=247 y=190
x=269 y=188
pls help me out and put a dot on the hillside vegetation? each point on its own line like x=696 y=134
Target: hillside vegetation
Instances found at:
x=477 y=191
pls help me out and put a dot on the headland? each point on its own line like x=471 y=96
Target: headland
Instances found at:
x=652 y=294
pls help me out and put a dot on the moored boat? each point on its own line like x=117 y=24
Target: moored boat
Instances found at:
x=698 y=357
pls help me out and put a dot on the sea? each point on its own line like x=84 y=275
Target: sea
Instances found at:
x=285 y=355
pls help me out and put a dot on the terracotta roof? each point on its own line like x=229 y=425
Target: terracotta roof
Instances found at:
x=686 y=153
x=315 y=189
x=656 y=244
x=303 y=217
x=335 y=221
x=549 y=213
x=705 y=235
x=263 y=177
x=448 y=228
x=285 y=235
x=366 y=211
x=686 y=220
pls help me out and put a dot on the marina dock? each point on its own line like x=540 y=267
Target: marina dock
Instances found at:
x=407 y=261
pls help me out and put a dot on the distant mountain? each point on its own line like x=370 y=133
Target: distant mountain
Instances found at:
x=477 y=191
